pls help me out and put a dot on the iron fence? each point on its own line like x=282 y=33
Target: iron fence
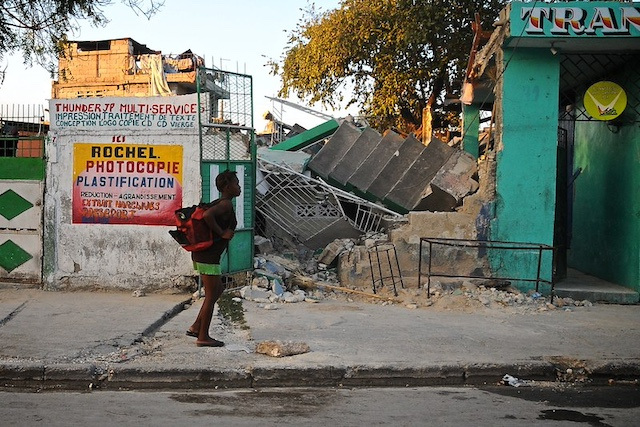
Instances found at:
x=22 y=130
x=467 y=258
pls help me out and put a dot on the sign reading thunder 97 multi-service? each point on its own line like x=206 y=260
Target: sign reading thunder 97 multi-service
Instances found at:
x=113 y=114
x=126 y=181
x=126 y=184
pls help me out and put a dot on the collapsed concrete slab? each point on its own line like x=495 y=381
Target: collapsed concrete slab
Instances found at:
x=366 y=142
x=334 y=150
x=374 y=162
x=410 y=150
x=414 y=185
x=401 y=173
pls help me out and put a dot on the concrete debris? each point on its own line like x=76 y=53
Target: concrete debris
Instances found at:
x=452 y=183
x=331 y=252
x=456 y=295
x=262 y=245
x=287 y=280
x=282 y=349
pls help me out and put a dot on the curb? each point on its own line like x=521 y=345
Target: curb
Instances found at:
x=88 y=376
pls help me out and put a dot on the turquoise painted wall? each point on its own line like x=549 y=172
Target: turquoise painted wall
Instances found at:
x=526 y=162
x=471 y=123
x=606 y=231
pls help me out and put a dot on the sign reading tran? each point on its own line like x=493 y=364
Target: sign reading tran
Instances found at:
x=575 y=19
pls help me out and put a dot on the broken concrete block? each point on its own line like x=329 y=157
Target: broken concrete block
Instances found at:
x=293 y=298
x=260 y=282
x=275 y=268
x=333 y=249
x=456 y=176
x=263 y=245
x=277 y=287
x=254 y=294
x=281 y=349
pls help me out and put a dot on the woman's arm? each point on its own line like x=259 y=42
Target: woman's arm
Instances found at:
x=220 y=209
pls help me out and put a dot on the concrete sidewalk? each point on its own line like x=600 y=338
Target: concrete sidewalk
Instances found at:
x=83 y=340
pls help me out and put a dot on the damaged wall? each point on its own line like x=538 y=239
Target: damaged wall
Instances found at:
x=122 y=67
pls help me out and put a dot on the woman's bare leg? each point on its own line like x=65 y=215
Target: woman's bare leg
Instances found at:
x=213 y=288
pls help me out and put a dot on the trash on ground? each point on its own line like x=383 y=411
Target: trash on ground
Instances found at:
x=514 y=382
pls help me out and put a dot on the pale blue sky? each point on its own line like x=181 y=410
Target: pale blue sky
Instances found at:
x=235 y=35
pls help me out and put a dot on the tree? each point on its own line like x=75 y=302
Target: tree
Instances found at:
x=391 y=58
x=39 y=28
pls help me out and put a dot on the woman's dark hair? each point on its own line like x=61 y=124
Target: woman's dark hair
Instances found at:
x=225 y=178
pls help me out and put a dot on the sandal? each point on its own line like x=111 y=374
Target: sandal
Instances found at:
x=212 y=343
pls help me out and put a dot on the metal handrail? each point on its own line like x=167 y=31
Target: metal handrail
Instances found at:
x=487 y=244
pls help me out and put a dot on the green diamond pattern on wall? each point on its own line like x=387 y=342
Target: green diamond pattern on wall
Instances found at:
x=12 y=204
x=12 y=256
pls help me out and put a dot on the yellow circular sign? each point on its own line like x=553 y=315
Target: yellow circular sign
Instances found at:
x=605 y=100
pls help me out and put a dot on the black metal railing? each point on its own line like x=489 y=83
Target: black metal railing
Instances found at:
x=483 y=248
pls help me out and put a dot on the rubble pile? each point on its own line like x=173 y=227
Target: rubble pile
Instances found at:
x=286 y=279
x=491 y=297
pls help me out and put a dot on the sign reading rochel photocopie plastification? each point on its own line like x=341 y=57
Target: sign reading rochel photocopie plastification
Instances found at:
x=127 y=156
x=574 y=19
x=126 y=184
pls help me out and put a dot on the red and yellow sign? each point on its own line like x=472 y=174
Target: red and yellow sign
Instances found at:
x=126 y=183
x=605 y=100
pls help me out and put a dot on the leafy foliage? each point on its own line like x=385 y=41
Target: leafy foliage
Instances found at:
x=391 y=58
x=39 y=28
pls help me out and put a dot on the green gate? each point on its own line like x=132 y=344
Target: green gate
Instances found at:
x=227 y=142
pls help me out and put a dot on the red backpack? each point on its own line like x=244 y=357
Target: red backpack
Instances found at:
x=192 y=232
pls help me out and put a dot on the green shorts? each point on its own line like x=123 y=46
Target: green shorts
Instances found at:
x=207 y=269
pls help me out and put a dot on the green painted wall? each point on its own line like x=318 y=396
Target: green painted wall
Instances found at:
x=471 y=123
x=526 y=162
x=22 y=168
x=606 y=231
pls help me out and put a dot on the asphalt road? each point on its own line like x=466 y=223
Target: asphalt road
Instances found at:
x=428 y=406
